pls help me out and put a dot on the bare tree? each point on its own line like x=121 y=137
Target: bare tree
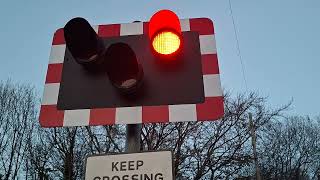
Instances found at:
x=212 y=150
x=54 y=154
x=38 y=164
x=61 y=152
x=17 y=117
x=202 y=150
x=103 y=139
x=291 y=149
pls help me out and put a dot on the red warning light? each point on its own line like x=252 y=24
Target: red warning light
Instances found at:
x=165 y=32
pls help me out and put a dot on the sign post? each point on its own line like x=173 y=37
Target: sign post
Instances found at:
x=133 y=138
x=161 y=71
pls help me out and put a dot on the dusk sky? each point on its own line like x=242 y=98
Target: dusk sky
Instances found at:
x=279 y=41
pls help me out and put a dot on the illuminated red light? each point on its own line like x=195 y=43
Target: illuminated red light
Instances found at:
x=166 y=42
x=165 y=32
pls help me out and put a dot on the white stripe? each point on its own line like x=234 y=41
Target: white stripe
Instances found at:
x=212 y=85
x=50 y=94
x=57 y=54
x=129 y=115
x=79 y=117
x=185 y=24
x=131 y=29
x=182 y=112
x=95 y=28
x=208 y=44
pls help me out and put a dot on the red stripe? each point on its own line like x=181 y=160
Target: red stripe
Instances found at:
x=50 y=116
x=203 y=25
x=58 y=37
x=210 y=64
x=146 y=28
x=155 y=114
x=54 y=73
x=110 y=30
x=102 y=116
x=211 y=109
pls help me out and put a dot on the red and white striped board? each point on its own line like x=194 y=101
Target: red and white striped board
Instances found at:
x=211 y=109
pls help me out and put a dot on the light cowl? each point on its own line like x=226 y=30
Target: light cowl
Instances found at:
x=165 y=32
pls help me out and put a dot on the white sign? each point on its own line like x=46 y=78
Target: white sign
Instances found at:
x=135 y=166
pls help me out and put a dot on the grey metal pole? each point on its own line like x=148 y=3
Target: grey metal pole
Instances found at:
x=254 y=147
x=133 y=137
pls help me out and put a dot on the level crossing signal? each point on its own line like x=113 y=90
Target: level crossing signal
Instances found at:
x=164 y=70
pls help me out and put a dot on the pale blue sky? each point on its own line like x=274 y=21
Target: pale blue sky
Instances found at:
x=279 y=40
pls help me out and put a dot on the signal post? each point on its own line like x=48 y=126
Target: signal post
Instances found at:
x=162 y=71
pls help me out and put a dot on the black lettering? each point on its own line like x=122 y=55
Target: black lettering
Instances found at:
x=97 y=178
x=158 y=176
x=135 y=177
x=139 y=163
x=125 y=177
x=146 y=177
x=114 y=166
x=122 y=166
x=105 y=178
x=114 y=178
x=131 y=165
